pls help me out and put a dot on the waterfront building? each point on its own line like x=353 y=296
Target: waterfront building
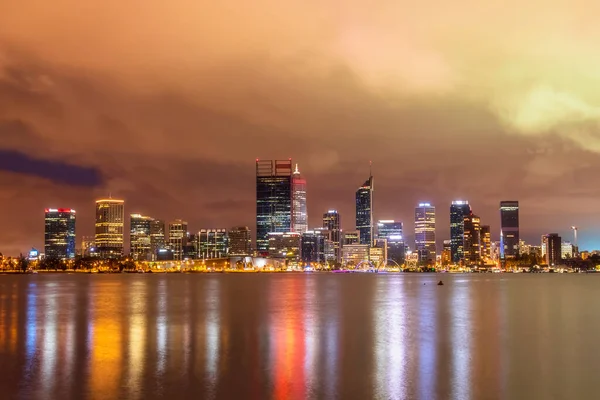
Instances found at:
x=213 y=243
x=364 y=212
x=458 y=210
x=509 y=232
x=314 y=246
x=354 y=254
x=178 y=238
x=391 y=231
x=350 y=237
x=299 y=210
x=553 y=249
x=157 y=237
x=446 y=258
x=378 y=253
x=567 y=250
x=486 y=242
x=110 y=218
x=285 y=245
x=273 y=200
x=332 y=222
x=191 y=250
x=87 y=246
x=425 y=233
x=240 y=241
x=59 y=233
x=139 y=237
x=471 y=239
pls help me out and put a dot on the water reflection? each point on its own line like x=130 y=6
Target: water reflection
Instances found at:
x=295 y=336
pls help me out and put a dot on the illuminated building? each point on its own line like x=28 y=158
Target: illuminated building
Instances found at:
x=509 y=232
x=191 y=250
x=213 y=243
x=332 y=222
x=110 y=219
x=285 y=245
x=299 y=211
x=157 y=237
x=178 y=238
x=59 y=234
x=87 y=246
x=486 y=242
x=350 y=237
x=273 y=200
x=425 y=233
x=391 y=231
x=446 y=258
x=354 y=254
x=240 y=241
x=378 y=252
x=313 y=246
x=471 y=239
x=458 y=210
x=566 y=250
x=553 y=249
x=364 y=212
x=139 y=238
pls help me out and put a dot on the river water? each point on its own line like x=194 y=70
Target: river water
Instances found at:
x=299 y=336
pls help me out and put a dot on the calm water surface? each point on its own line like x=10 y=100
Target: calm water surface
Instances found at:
x=299 y=336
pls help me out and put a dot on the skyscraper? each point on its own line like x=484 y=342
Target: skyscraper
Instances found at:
x=139 y=237
x=332 y=222
x=458 y=210
x=472 y=239
x=240 y=241
x=59 y=233
x=299 y=213
x=273 y=200
x=391 y=231
x=509 y=233
x=313 y=247
x=486 y=242
x=364 y=212
x=213 y=243
x=425 y=233
x=109 y=227
x=553 y=249
x=157 y=237
x=178 y=238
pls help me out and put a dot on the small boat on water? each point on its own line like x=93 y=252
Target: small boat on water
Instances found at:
x=440 y=283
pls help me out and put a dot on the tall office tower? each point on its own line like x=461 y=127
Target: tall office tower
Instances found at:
x=332 y=222
x=553 y=249
x=213 y=243
x=59 y=233
x=364 y=212
x=313 y=246
x=472 y=239
x=110 y=218
x=178 y=238
x=299 y=211
x=139 y=237
x=157 y=237
x=425 y=233
x=486 y=242
x=191 y=251
x=273 y=200
x=458 y=210
x=240 y=241
x=447 y=253
x=509 y=232
x=350 y=237
x=391 y=231
x=285 y=245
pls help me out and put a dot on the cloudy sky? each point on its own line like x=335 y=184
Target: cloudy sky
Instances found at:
x=168 y=104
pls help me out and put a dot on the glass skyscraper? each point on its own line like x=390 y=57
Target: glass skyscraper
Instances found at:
x=109 y=227
x=240 y=241
x=139 y=237
x=273 y=200
x=59 y=233
x=425 y=233
x=509 y=231
x=391 y=231
x=332 y=222
x=458 y=210
x=472 y=239
x=299 y=213
x=364 y=212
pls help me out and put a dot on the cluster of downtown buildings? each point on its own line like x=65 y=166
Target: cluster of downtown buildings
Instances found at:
x=282 y=232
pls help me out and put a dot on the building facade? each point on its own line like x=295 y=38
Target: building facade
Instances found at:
x=314 y=246
x=350 y=237
x=391 y=231
x=333 y=223
x=553 y=249
x=157 y=237
x=273 y=200
x=139 y=237
x=299 y=210
x=213 y=243
x=285 y=245
x=59 y=233
x=472 y=239
x=458 y=210
x=178 y=238
x=364 y=212
x=425 y=233
x=110 y=217
x=509 y=232
x=240 y=241
x=486 y=242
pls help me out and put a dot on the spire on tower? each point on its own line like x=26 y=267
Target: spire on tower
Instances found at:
x=296 y=171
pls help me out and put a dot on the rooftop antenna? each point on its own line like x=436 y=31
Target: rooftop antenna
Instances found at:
x=370 y=168
x=296 y=171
